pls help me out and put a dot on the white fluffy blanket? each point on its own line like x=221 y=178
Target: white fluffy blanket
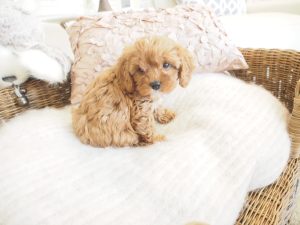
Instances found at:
x=24 y=51
x=229 y=137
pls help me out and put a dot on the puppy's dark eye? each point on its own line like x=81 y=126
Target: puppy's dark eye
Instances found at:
x=140 y=70
x=166 y=65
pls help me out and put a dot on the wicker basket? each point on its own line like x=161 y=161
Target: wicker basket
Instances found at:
x=278 y=71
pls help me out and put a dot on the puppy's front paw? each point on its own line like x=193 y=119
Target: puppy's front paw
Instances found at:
x=196 y=223
x=159 y=137
x=142 y=143
x=164 y=116
x=156 y=138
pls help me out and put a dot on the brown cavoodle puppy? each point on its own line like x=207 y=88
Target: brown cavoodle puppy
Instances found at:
x=117 y=108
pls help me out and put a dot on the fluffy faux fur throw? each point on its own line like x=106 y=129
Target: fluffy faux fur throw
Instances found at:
x=23 y=51
x=228 y=138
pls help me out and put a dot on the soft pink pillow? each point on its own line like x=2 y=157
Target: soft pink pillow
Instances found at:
x=98 y=41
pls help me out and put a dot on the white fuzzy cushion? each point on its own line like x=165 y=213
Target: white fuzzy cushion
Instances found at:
x=228 y=138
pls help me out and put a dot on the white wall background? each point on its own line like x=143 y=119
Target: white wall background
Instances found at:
x=59 y=7
x=71 y=7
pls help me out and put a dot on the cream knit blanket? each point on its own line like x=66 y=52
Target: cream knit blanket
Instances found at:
x=228 y=138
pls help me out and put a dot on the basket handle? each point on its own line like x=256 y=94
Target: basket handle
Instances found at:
x=294 y=124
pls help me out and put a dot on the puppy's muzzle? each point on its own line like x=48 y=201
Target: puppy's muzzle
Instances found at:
x=155 y=85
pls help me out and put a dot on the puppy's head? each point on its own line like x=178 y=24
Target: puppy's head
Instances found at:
x=154 y=64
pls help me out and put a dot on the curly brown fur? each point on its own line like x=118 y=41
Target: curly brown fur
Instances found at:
x=117 y=108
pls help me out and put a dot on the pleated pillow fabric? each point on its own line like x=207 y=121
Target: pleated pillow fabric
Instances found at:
x=221 y=7
x=97 y=41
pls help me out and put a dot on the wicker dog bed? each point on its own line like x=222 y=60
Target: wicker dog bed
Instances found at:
x=278 y=71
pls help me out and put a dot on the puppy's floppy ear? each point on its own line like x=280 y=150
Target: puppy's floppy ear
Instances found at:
x=123 y=72
x=187 y=66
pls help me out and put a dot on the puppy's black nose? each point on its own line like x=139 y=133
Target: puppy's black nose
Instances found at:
x=155 y=85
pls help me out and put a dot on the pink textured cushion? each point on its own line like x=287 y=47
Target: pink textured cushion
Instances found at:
x=99 y=40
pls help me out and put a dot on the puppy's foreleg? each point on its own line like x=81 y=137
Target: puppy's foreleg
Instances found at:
x=143 y=122
x=163 y=115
